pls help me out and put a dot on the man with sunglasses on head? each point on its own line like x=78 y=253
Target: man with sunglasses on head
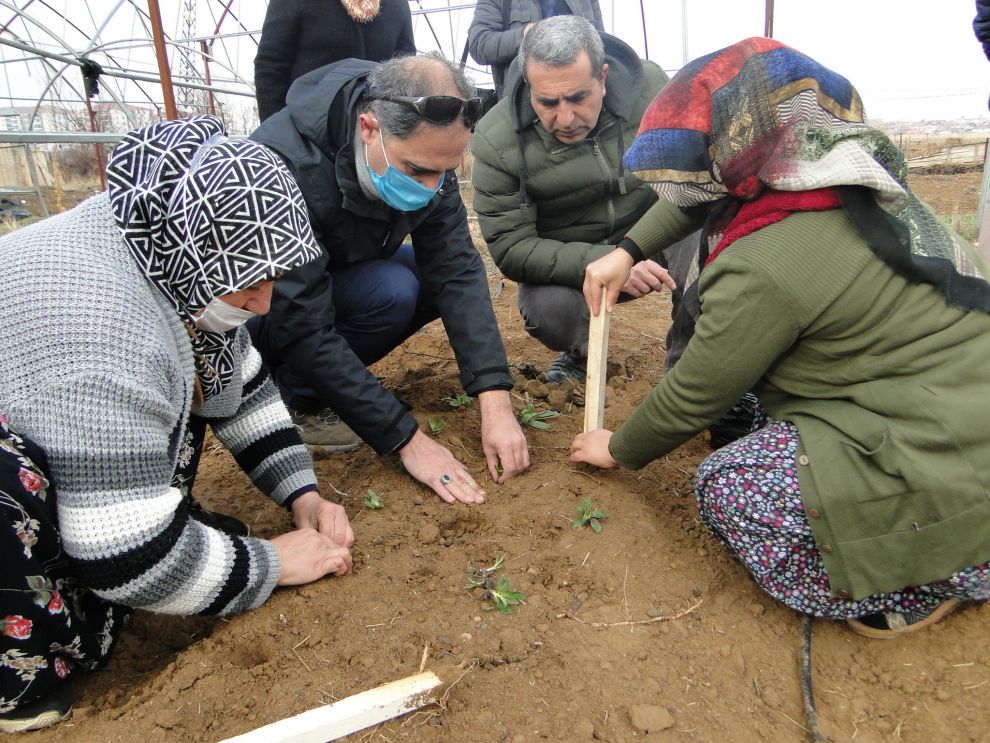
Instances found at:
x=373 y=148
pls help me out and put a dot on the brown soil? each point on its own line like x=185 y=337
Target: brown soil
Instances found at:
x=690 y=634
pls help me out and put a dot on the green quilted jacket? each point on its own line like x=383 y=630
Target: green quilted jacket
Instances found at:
x=546 y=208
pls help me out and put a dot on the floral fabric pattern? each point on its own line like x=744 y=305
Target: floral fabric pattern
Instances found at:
x=749 y=496
x=49 y=624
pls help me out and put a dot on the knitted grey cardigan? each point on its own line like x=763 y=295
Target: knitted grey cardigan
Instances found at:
x=98 y=369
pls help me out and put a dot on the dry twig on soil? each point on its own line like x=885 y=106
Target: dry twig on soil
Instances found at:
x=627 y=624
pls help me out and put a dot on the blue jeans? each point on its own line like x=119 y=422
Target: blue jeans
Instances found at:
x=377 y=305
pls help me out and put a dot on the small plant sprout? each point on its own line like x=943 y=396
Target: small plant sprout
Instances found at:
x=501 y=595
x=530 y=416
x=371 y=500
x=458 y=401
x=436 y=426
x=588 y=515
x=503 y=598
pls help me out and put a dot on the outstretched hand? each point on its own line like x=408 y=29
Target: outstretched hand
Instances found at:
x=647 y=276
x=592 y=448
x=434 y=466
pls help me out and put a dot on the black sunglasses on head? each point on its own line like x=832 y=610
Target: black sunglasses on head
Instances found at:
x=441 y=109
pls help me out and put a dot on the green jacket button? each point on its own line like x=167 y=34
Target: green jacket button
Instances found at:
x=803 y=459
x=826 y=548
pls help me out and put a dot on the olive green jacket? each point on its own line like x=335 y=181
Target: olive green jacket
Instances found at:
x=887 y=386
x=546 y=208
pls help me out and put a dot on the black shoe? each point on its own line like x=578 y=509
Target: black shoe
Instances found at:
x=566 y=368
x=42 y=713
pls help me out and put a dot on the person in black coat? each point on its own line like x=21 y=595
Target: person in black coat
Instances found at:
x=981 y=25
x=373 y=172
x=301 y=35
x=498 y=28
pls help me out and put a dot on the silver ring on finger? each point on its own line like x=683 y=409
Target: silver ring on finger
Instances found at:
x=445 y=480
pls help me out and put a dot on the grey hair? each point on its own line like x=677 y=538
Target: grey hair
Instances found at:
x=557 y=42
x=426 y=74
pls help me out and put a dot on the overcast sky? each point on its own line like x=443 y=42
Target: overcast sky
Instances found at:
x=910 y=59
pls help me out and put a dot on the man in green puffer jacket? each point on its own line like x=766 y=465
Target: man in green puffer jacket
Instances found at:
x=550 y=190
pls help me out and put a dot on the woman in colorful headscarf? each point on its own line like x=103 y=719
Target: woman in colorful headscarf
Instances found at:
x=122 y=339
x=858 y=319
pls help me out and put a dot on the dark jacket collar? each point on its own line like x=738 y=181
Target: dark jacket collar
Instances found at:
x=624 y=84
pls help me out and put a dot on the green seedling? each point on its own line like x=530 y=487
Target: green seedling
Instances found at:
x=503 y=598
x=500 y=594
x=589 y=515
x=458 y=401
x=371 y=500
x=436 y=426
x=530 y=416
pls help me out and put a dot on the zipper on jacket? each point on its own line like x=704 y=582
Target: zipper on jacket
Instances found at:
x=607 y=170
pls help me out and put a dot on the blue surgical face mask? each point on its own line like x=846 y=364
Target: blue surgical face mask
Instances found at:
x=396 y=188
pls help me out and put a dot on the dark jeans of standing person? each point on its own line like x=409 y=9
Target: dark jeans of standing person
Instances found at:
x=377 y=305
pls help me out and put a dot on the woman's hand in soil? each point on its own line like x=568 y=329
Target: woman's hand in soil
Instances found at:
x=310 y=510
x=502 y=438
x=428 y=462
x=306 y=555
x=592 y=448
x=611 y=272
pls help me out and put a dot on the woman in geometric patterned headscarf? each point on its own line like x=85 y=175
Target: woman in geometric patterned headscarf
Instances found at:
x=122 y=338
x=856 y=317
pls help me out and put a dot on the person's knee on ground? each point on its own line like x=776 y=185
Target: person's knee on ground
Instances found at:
x=557 y=317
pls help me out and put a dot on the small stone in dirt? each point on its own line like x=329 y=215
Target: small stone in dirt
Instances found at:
x=417 y=499
x=465 y=636
x=942 y=695
x=584 y=729
x=654 y=613
x=428 y=533
x=650 y=717
x=757 y=609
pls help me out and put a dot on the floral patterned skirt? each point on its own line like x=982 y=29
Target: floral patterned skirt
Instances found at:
x=49 y=625
x=749 y=496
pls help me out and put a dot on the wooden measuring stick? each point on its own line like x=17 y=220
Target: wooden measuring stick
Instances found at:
x=349 y=715
x=594 y=386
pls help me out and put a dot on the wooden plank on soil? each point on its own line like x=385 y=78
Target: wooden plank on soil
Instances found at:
x=594 y=385
x=349 y=715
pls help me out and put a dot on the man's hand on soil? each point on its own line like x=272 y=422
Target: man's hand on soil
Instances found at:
x=502 y=438
x=428 y=462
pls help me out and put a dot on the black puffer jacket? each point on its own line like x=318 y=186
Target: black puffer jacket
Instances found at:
x=313 y=134
x=301 y=35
